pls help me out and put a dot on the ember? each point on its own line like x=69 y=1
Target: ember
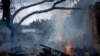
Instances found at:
x=34 y=55
x=68 y=48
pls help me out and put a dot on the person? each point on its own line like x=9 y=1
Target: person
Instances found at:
x=6 y=9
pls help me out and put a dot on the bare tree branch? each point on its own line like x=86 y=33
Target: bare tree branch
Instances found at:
x=16 y=12
x=58 y=2
x=47 y=10
x=64 y=8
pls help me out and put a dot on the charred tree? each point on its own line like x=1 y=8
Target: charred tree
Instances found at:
x=6 y=17
x=6 y=9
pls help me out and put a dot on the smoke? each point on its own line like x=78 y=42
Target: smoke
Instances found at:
x=56 y=36
x=29 y=40
x=77 y=26
x=73 y=26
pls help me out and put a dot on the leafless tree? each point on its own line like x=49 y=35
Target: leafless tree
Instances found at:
x=54 y=7
x=41 y=11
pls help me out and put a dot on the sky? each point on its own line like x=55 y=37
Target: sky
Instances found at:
x=19 y=3
x=42 y=7
x=38 y=7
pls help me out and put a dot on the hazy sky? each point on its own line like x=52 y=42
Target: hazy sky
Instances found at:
x=39 y=7
x=19 y=3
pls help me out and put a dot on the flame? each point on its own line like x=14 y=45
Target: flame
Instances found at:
x=68 y=48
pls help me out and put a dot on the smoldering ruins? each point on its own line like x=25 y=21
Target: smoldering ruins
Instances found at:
x=65 y=28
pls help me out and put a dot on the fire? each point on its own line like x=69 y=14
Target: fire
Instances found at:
x=68 y=48
x=34 y=55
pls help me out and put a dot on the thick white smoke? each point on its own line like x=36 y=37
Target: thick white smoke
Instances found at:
x=73 y=26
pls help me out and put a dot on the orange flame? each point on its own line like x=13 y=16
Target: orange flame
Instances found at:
x=68 y=48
